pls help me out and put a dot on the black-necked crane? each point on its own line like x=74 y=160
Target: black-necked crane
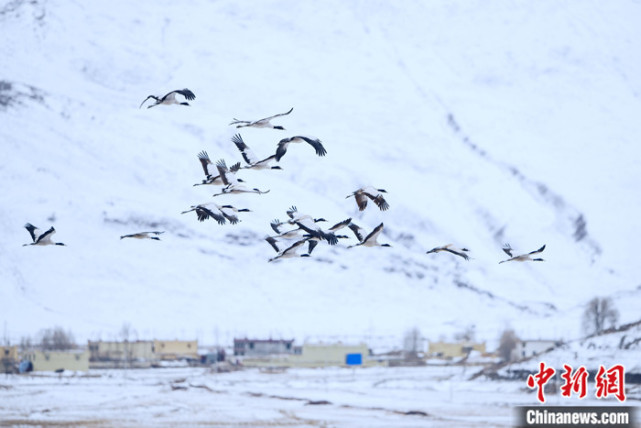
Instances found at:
x=220 y=213
x=461 y=252
x=239 y=188
x=371 y=240
x=308 y=224
x=170 y=98
x=287 y=234
x=144 y=235
x=523 y=257
x=39 y=237
x=292 y=251
x=230 y=212
x=227 y=175
x=250 y=158
x=206 y=211
x=212 y=176
x=273 y=241
x=260 y=123
x=295 y=215
x=314 y=142
x=372 y=193
x=233 y=184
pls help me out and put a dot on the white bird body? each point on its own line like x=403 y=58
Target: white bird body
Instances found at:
x=144 y=235
x=41 y=238
x=170 y=98
x=523 y=257
x=461 y=252
x=239 y=188
x=260 y=123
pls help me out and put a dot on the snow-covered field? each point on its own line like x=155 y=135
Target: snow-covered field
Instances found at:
x=374 y=397
x=486 y=121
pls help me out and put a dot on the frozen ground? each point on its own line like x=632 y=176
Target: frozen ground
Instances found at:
x=374 y=397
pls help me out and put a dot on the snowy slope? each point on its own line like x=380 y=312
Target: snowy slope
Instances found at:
x=486 y=123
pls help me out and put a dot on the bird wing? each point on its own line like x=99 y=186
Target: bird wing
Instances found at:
x=204 y=213
x=361 y=200
x=229 y=215
x=234 y=168
x=540 y=250
x=236 y=122
x=274 y=116
x=378 y=200
x=266 y=160
x=292 y=211
x=272 y=242
x=308 y=225
x=254 y=122
x=460 y=254
x=508 y=250
x=373 y=235
x=340 y=225
x=185 y=93
x=357 y=231
x=248 y=155
x=275 y=224
x=312 y=243
x=282 y=148
x=315 y=143
x=223 y=171
x=203 y=157
x=294 y=246
x=33 y=231
x=46 y=236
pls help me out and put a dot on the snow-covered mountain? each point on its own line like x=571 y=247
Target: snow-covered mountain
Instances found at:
x=486 y=122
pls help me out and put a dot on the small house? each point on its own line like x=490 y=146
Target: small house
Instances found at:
x=59 y=360
x=8 y=358
x=529 y=348
x=262 y=347
x=171 y=350
x=110 y=354
x=450 y=350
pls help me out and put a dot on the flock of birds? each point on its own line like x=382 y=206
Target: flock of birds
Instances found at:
x=303 y=230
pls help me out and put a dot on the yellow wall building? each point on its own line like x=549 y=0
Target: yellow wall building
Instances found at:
x=175 y=349
x=318 y=355
x=59 y=360
x=8 y=358
x=454 y=349
x=115 y=354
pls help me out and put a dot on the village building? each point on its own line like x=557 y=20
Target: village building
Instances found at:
x=530 y=348
x=316 y=355
x=58 y=360
x=262 y=347
x=172 y=350
x=8 y=358
x=451 y=350
x=113 y=354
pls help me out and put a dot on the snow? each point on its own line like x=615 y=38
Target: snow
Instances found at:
x=486 y=122
x=200 y=397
